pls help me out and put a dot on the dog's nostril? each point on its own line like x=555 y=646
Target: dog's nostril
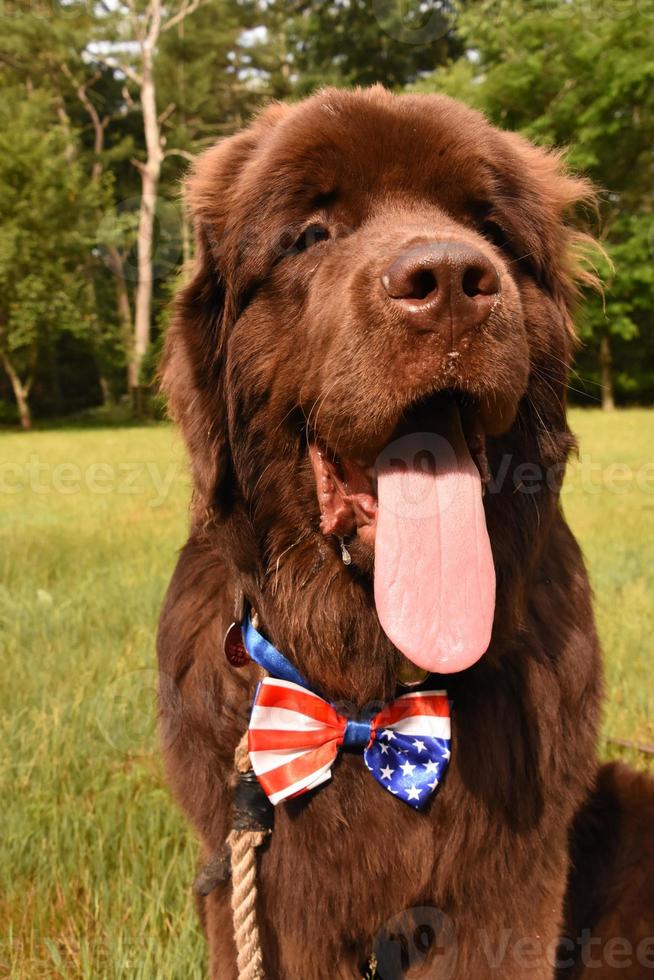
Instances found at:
x=410 y=284
x=424 y=284
x=480 y=281
x=470 y=282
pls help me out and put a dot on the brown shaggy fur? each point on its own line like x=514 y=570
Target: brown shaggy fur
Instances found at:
x=268 y=343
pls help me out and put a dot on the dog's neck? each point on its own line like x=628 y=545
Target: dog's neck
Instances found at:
x=330 y=631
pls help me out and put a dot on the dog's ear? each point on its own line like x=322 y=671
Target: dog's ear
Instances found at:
x=547 y=206
x=191 y=370
x=191 y=378
x=567 y=255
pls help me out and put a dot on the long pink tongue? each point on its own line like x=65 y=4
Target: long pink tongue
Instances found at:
x=434 y=573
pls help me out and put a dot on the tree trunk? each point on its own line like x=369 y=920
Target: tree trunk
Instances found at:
x=55 y=380
x=117 y=265
x=21 y=393
x=186 y=240
x=105 y=389
x=606 y=376
x=150 y=173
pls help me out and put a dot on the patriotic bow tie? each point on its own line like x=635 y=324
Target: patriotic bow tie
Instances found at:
x=295 y=735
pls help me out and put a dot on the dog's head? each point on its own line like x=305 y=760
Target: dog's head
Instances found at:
x=370 y=267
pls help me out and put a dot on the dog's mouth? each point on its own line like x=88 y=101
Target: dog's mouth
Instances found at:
x=418 y=506
x=347 y=487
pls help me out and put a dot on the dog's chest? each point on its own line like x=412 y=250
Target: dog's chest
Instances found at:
x=346 y=862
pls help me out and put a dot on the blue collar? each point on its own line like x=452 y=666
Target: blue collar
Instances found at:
x=357 y=732
x=269 y=657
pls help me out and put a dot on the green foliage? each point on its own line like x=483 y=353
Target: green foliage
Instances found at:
x=299 y=46
x=359 y=42
x=43 y=253
x=198 y=71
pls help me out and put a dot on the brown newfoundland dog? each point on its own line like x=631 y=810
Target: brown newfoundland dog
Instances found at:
x=369 y=368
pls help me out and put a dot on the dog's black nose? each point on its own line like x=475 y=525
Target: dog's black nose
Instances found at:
x=443 y=285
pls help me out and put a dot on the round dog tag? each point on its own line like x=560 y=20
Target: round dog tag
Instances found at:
x=234 y=647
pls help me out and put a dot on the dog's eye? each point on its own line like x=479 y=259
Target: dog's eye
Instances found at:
x=495 y=234
x=311 y=235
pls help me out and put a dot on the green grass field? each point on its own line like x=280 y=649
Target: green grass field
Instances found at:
x=95 y=861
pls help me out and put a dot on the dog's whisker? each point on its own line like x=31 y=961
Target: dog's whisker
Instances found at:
x=540 y=372
x=294 y=544
x=257 y=485
x=541 y=376
x=318 y=405
x=292 y=409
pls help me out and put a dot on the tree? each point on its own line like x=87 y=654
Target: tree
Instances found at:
x=41 y=250
x=42 y=48
x=108 y=102
x=133 y=37
x=300 y=46
x=74 y=52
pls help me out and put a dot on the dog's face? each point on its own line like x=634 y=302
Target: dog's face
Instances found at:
x=368 y=266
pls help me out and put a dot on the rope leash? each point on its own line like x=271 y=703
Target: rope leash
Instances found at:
x=238 y=858
x=248 y=834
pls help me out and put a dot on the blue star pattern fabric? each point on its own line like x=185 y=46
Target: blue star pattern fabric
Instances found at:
x=408 y=767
